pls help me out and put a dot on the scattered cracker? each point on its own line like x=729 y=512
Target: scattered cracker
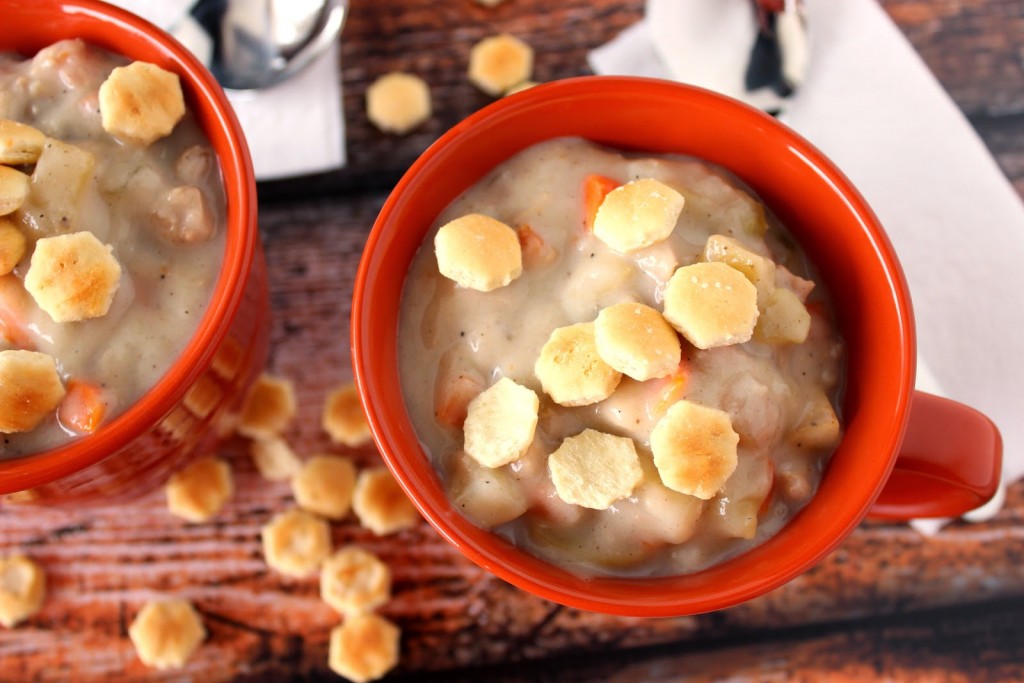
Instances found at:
x=275 y=459
x=354 y=581
x=269 y=407
x=343 y=418
x=398 y=102
x=500 y=423
x=637 y=341
x=570 y=369
x=12 y=246
x=14 y=187
x=198 y=492
x=637 y=215
x=73 y=277
x=694 y=449
x=525 y=85
x=296 y=543
x=165 y=633
x=593 y=469
x=141 y=103
x=711 y=305
x=783 y=320
x=478 y=252
x=22 y=589
x=760 y=270
x=380 y=503
x=364 y=648
x=30 y=389
x=324 y=486
x=19 y=143
x=500 y=62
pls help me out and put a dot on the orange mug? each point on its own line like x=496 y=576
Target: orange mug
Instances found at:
x=903 y=454
x=190 y=407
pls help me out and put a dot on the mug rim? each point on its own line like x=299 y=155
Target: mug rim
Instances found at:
x=660 y=596
x=121 y=32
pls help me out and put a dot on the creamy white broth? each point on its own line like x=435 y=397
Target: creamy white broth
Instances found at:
x=165 y=287
x=456 y=342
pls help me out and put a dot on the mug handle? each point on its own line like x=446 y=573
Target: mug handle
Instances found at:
x=949 y=463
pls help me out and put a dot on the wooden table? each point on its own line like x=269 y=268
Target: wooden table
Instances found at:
x=888 y=604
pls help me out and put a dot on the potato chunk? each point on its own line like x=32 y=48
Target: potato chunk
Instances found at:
x=398 y=102
x=19 y=143
x=380 y=503
x=571 y=370
x=343 y=418
x=324 y=486
x=694 y=449
x=487 y=497
x=141 y=103
x=819 y=426
x=165 y=633
x=364 y=648
x=711 y=305
x=59 y=180
x=22 y=589
x=593 y=469
x=296 y=543
x=12 y=246
x=478 y=252
x=354 y=581
x=13 y=190
x=500 y=62
x=198 y=492
x=30 y=389
x=500 y=423
x=73 y=277
x=184 y=217
x=268 y=408
x=637 y=215
x=637 y=341
x=783 y=320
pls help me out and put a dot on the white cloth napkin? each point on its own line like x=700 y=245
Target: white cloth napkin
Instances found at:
x=293 y=128
x=957 y=224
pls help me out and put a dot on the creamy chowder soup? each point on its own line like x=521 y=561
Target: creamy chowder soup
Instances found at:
x=700 y=442
x=111 y=238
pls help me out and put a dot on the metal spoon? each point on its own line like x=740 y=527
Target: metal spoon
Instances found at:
x=259 y=43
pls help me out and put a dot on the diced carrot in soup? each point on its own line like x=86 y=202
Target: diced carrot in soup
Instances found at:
x=595 y=189
x=83 y=407
x=14 y=303
x=536 y=251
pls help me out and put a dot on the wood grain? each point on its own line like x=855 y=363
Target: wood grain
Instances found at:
x=889 y=603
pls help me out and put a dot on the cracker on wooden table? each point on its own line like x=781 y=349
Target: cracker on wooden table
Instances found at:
x=638 y=214
x=570 y=369
x=398 y=102
x=711 y=304
x=637 y=341
x=199 y=490
x=500 y=62
x=22 y=589
x=694 y=449
x=324 y=485
x=166 y=633
x=380 y=503
x=141 y=103
x=478 y=252
x=343 y=417
x=364 y=648
x=594 y=469
x=73 y=277
x=354 y=580
x=296 y=543
x=30 y=389
x=20 y=143
x=269 y=406
x=274 y=459
x=500 y=423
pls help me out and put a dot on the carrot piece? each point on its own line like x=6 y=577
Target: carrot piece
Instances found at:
x=674 y=388
x=83 y=407
x=536 y=251
x=595 y=188
x=14 y=303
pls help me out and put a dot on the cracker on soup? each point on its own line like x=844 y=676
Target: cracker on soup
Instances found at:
x=500 y=423
x=694 y=449
x=594 y=469
x=711 y=305
x=638 y=214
